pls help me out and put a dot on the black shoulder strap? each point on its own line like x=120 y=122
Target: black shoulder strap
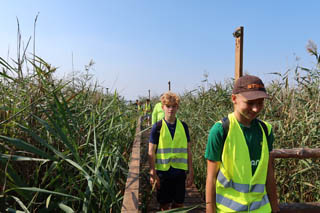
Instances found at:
x=264 y=127
x=225 y=124
x=159 y=125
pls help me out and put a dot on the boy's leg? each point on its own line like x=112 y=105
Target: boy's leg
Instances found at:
x=164 y=207
x=180 y=190
x=148 y=119
x=176 y=205
x=164 y=194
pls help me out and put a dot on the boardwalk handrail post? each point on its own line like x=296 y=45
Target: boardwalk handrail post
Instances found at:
x=238 y=34
x=273 y=185
x=300 y=153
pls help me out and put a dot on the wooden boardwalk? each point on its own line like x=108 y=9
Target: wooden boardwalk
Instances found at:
x=192 y=198
x=139 y=196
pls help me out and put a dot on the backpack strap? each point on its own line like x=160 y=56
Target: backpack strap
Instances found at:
x=225 y=124
x=264 y=127
x=159 y=125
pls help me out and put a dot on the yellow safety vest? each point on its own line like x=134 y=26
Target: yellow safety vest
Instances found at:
x=140 y=110
x=147 y=107
x=172 y=152
x=157 y=113
x=236 y=189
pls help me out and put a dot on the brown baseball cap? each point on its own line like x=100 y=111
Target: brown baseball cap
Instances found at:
x=251 y=87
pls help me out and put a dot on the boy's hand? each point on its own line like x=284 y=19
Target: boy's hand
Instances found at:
x=189 y=180
x=154 y=179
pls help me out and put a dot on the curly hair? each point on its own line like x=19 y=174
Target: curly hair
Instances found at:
x=170 y=98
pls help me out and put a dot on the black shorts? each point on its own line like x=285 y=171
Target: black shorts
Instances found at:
x=172 y=189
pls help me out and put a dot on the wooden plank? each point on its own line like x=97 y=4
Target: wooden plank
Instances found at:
x=296 y=153
x=192 y=198
x=238 y=34
x=131 y=196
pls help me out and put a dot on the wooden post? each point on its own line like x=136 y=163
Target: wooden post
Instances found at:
x=238 y=34
x=300 y=153
x=169 y=85
x=272 y=185
x=149 y=94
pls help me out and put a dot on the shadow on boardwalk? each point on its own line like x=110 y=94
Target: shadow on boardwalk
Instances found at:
x=148 y=202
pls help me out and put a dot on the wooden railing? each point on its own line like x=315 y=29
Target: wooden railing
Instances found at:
x=300 y=153
x=296 y=153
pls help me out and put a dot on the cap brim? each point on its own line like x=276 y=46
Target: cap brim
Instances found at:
x=253 y=95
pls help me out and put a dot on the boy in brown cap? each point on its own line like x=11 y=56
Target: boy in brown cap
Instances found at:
x=237 y=153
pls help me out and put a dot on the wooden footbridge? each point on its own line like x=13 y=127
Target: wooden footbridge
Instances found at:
x=139 y=196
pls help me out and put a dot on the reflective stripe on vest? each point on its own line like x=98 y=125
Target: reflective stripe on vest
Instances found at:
x=169 y=150
x=245 y=188
x=236 y=188
x=238 y=207
x=172 y=152
x=175 y=160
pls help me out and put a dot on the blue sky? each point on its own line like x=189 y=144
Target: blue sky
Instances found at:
x=139 y=45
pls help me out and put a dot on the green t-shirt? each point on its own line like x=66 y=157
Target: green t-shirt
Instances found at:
x=252 y=134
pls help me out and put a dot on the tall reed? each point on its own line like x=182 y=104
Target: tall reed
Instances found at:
x=64 y=144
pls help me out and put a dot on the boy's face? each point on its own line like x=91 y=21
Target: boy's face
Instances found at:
x=170 y=110
x=247 y=109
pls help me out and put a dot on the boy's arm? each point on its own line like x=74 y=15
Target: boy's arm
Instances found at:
x=190 y=168
x=271 y=187
x=212 y=172
x=152 y=158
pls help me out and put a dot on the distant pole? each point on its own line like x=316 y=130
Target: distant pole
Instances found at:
x=238 y=34
x=34 y=41
x=169 y=85
x=107 y=90
x=72 y=62
x=149 y=94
